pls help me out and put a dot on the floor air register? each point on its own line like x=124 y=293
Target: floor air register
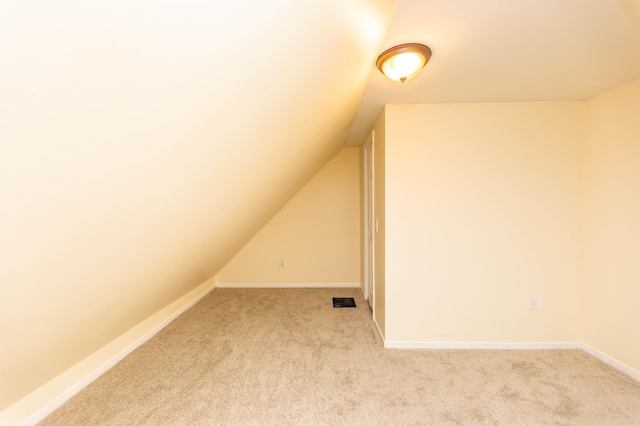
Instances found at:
x=344 y=302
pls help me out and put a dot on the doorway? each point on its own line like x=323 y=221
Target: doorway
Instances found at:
x=369 y=278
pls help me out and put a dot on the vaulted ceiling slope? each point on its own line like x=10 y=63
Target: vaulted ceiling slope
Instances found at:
x=509 y=50
x=143 y=143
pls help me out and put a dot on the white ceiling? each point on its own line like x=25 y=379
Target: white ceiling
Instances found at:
x=506 y=50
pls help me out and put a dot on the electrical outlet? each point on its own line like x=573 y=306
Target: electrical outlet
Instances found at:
x=533 y=302
x=281 y=263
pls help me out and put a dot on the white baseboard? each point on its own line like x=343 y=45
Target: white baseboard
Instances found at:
x=287 y=285
x=611 y=361
x=43 y=401
x=411 y=344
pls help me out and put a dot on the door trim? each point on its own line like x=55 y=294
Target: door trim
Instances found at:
x=369 y=260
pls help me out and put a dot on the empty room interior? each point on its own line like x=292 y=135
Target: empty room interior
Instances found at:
x=238 y=164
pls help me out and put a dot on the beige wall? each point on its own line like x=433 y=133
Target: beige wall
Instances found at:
x=316 y=233
x=482 y=210
x=612 y=224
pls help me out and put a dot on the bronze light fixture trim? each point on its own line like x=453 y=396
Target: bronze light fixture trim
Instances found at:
x=404 y=61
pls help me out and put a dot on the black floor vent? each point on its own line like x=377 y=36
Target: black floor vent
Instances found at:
x=344 y=302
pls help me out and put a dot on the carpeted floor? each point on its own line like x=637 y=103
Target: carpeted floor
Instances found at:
x=286 y=356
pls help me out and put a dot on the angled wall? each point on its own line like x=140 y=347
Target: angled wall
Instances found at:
x=316 y=234
x=143 y=144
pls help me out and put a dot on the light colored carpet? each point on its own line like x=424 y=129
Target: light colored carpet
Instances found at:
x=286 y=356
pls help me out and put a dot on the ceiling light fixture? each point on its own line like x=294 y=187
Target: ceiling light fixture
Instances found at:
x=403 y=62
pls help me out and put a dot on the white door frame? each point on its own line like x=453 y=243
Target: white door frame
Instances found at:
x=369 y=259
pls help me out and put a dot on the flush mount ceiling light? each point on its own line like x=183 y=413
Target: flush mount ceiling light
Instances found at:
x=403 y=62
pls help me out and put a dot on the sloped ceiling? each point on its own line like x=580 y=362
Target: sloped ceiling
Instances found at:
x=143 y=143
x=509 y=50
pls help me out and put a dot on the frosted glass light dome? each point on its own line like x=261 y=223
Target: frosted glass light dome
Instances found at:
x=403 y=62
